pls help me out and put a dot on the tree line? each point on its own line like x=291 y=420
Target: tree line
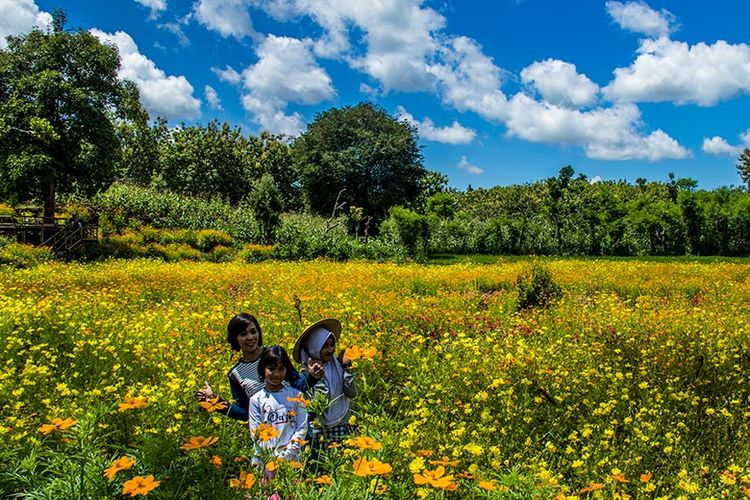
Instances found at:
x=69 y=125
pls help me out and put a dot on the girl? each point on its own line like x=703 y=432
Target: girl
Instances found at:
x=244 y=334
x=315 y=348
x=278 y=418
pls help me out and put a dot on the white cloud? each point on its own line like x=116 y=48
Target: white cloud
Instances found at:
x=162 y=95
x=20 y=16
x=718 y=146
x=212 y=97
x=640 y=18
x=469 y=80
x=559 y=83
x=666 y=70
x=176 y=30
x=369 y=90
x=227 y=17
x=228 y=74
x=745 y=137
x=454 y=134
x=467 y=167
x=156 y=6
x=604 y=133
x=285 y=72
x=596 y=179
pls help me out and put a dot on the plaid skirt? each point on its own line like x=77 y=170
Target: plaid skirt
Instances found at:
x=335 y=434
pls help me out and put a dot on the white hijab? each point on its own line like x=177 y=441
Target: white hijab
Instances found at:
x=333 y=374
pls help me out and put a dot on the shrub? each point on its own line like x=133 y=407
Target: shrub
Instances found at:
x=255 y=253
x=24 y=256
x=409 y=228
x=207 y=239
x=536 y=288
x=221 y=253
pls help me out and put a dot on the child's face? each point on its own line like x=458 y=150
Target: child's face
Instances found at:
x=328 y=350
x=275 y=376
x=248 y=339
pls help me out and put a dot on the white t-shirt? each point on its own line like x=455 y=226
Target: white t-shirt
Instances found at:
x=289 y=418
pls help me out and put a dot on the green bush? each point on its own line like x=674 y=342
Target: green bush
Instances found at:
x=408 y=228
x=536 y=288
x=207 y=239
x=24 y=256
x=221 y=253
x=166 y=210
x=255 y=253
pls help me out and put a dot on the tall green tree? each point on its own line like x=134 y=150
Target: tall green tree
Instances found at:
x=363 y=151
x=60 y=97
x=743 y=167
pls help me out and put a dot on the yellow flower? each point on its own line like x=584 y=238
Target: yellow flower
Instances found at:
x=324 y=480
x=374 y=467
x=445 y=462
x=266 y=432
x=271 y=466
x=122 y=463
x=139 y=485
x=416 y=465
x=131 y=403
x=728 y=478
x=364 y=443
x=488 y=485
x=474 y=449
x=246 y=481
x=436 y=479
x=197 y=442
x=214 y=404
x=57 y=424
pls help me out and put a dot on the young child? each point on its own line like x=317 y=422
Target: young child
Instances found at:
x=278 y=406
x=316 y=348
x=244 y=335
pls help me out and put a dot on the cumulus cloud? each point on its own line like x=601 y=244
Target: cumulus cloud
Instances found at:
x=285 y=72
x=226 y=17
x=719 y=146
x=212 y=97
x=596 y=179
x=604 y=133
x=666 y=70
x=228 y=74
x=468 y=80
x=559 y=83
x=467 y=167
x=156 y=6
x=454 y=134
x=20 y=16
x=640 y=18
x=162 y=95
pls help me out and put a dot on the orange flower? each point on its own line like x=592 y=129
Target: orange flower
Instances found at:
x=197 y=442
x=266 y=432
x=57 y=424
x=445 y=462
x=215 y=461
x=374 y=467
x=364 y=443
x=488 y=485
x=246 y=481
x=296 y=465
x=139 y=485
x=131 y=403
x=619 y=477
x=271 y=466
x=436 y=479
x=298 y=399
x=324 y=480
x=301 y=442
x=122 y=463
x=213 y=404
x=423 y=453
x=592 y=487
x=746 y=492
x=356 y=352
x=465 y=475
x=646 y=477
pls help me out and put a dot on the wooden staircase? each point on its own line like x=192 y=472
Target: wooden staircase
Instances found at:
x=69 y=237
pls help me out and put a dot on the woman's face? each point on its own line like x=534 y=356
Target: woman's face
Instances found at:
x=248 y=339
x=328 y=350
x=275 y=376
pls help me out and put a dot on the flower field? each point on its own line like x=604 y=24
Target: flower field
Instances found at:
x=633 y=384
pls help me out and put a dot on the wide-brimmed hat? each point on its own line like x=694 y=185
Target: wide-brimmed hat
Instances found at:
x=331 y=324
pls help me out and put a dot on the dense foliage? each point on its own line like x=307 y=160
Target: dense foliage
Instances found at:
x=60 y=98
x=634 y=382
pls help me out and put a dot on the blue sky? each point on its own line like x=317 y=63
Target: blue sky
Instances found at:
x=502 y=91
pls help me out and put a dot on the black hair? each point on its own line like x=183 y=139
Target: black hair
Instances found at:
x=272 y=356
x=239 y=324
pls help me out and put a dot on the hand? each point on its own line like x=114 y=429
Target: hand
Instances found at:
x=315 y=368
x=344 y=358
x=204 y=393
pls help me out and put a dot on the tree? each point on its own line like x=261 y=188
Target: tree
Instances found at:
x=743 y=167
x=363 y=150
x=60 y=97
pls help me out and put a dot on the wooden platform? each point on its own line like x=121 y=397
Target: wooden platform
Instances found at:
x=59 y=233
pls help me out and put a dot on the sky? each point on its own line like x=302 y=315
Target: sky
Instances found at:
x=501 y=91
